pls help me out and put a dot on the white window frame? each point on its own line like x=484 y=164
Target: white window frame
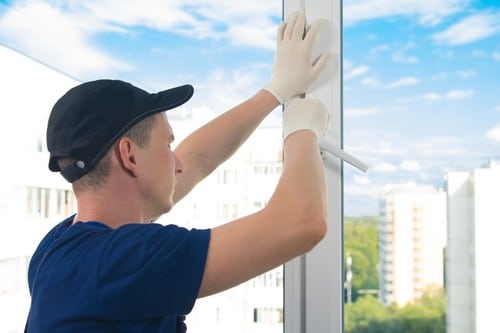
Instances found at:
x=313 y=283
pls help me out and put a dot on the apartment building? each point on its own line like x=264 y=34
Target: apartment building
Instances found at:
x=412 y=238
x=32 y=199
x=473 y=230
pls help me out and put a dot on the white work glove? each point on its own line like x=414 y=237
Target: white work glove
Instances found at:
x=305 y=113
x=293 y=70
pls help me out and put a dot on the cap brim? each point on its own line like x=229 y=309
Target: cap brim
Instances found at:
x=172 y=98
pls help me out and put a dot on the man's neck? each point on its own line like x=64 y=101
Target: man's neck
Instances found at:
x=113 y=208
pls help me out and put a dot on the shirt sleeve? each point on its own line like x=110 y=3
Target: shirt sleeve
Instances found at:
x=149 y=270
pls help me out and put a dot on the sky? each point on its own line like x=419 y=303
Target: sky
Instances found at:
x=420 y=77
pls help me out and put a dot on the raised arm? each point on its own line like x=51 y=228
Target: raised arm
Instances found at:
x=209 y=146
x=293 y=72
x=294 y=219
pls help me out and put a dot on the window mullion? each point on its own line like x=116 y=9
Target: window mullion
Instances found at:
x=313 y=287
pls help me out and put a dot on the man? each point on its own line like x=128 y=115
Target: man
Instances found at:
x=108 y=268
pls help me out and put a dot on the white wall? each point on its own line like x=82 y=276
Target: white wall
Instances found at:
x=487 y=246
x=29 y=89
x=473 y=229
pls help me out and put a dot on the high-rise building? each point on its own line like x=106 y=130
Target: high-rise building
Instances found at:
x=412 y=237
x=473 y=231
x=32 y=199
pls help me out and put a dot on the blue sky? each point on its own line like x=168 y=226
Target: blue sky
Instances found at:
x=421 y=87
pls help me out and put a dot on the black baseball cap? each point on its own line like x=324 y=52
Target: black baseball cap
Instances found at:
x=87 y=120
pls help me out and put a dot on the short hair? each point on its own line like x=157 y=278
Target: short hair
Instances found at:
x=140 y=134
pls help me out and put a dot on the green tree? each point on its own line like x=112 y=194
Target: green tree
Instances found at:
x=361 y=315
x=368 y=315
x=427 y=314
x=361 y=242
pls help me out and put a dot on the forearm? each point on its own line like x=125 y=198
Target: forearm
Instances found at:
x=302 y=187
x=209 y=146
x=292 y=223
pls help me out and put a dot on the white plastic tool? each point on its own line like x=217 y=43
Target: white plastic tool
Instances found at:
x=329 y=147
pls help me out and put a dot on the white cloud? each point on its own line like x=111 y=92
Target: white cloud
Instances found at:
x=439 y=76
x=470 y=29
x=432 y=96
x=57 y=38
x=387 y=148
x=410 y=165
x=494 y=133
x=384 y=167
x=478 y=53
x=360 y=112
x=430 y=12
x=356 y=71
x=61 y=33
x=496 y=108
x=376 y=83
x=380 y=48
x=224 y=89
x=160 y=15
x=249 y=23
x=405 y=81
x=430 y=19
x=442 y=147
x=347 y=64
x=496 y=56
x=371 y=82
x=464 y=74
x=450 y=95
x=352 y=189
x=444 y=53
x=459 y=94
x=254 y=36
x=362 y=180
x=405 y=59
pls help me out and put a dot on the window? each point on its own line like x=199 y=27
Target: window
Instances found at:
x=268 y=315
x=411 y=92
x=65 y=202
x=38 y=200
x=45 y=203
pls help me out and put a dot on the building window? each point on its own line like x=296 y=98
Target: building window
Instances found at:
x=268 y=315
x=227 y=176
x=38 y=200
x=227 y=211
x=65 y=202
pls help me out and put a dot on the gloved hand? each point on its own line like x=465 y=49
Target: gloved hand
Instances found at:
x=305 y=113
x=293 y=70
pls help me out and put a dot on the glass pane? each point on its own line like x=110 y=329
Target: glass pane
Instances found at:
x=421 y=107
x=224 y=50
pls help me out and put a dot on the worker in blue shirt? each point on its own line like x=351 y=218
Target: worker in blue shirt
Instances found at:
x=109 y=267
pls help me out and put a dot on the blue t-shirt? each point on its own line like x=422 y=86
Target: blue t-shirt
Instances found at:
x=90 y=278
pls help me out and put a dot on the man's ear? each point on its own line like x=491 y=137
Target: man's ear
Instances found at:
x=126 y=152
